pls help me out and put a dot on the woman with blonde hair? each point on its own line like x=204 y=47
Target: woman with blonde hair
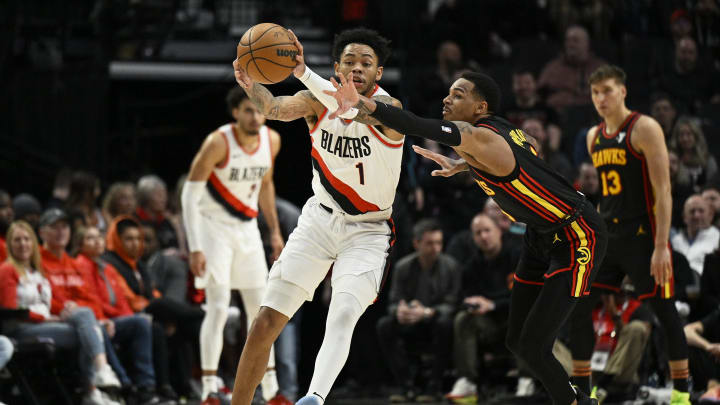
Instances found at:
x=120 y=199
x=23 y=286
x=689 y=142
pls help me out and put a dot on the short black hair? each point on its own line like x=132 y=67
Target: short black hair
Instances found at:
x=425 y=225
x=234 y=97
x=485 y=88
x=661 y=95
x=125 y=224
x=379 y=44
x=524 y=70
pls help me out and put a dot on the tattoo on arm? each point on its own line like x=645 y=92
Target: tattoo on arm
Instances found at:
x=363 y=115
x=464 y=127
x=283 y=108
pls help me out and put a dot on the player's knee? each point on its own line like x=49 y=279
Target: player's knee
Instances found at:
x=267 y=324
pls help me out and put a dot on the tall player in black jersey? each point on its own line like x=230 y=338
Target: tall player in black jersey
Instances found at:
x=628 y=149
x=565 y=240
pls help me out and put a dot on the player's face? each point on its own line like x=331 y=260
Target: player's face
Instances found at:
x=361 y=60
x=461 y=104
x=248 y=117
x=608 y=96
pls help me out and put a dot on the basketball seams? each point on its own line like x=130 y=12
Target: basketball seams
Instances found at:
x=273 y=62
x=252 y=57
x=264 y=47
x=261 y=35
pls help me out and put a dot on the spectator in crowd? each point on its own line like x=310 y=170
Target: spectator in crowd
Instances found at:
x=23 y=285
x=663 y=110
x=6 y=218
x=423 y=296
x=168 y=272
x=130 y=329
x=687 y=79
x=706 y=24
x=181 y=321
x=485 y=296
x=709 y=298
x=699 y=237
x=27 y=208
x=680 y=188
x=689 y=142
x=565 y=78
x=703 y=338
x=61 y=188
x=512 y=231
x=622 y=325
x=119 y=200
x=711 y=194
x=152 y=200
x=435 y=81
x=526 y=103
x=80 y=203
x=588 y=183
x=549 y=147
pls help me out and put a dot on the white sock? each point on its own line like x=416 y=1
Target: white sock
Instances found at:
x=209 y=385
x=344 y=312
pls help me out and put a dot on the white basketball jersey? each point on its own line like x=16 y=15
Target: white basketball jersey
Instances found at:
x=234 y=185
x=356 y=168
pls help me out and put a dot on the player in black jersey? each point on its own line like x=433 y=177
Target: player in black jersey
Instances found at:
x=565 y=240
x=628 y=149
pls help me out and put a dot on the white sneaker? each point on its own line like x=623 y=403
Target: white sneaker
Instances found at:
x=525 y=387
x=462 y=388
x=105 y=377
x=269 y=385
x=97 y=397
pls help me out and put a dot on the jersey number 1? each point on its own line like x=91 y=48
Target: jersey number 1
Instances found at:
x=362 y=173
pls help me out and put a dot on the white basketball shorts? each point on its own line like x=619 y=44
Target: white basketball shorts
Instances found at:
x=234 y=254
x=323 y=239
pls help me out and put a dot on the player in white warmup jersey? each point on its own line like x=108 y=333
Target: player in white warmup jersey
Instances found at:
x=356 y=168
x=230 y=177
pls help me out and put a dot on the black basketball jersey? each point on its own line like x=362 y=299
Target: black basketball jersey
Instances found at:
x=627 y=194
x=533 y=193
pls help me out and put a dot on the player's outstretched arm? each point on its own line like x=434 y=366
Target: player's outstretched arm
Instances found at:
x=283 y=108
x=449 y=166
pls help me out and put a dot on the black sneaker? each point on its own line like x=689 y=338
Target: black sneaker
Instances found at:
x=167 y=393
x=147 y=396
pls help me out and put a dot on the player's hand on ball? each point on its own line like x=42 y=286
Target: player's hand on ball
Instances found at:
x=241 y=77
x=661 y=265
x=299 y=58
x=197 y=263
x=345 y=95
x=449 y=166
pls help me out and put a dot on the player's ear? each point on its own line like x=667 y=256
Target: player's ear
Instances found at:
x=623 y=90
x=379 y=73
x=482 y=107
x=236 y=113
x=335 y=69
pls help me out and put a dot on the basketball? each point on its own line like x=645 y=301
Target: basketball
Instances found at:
x=267 y=53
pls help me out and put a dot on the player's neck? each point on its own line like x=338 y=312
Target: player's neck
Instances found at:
x=244 y=139
x=615 y=120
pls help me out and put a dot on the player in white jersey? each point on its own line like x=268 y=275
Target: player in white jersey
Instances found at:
x=346 y=224
x=230 y=177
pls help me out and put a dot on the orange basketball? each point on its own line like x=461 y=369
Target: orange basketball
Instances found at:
x=267 y=53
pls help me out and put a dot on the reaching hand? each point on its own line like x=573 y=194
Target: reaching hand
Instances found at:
x=661 y=265
x=449 y=166
x=299 y=58
x=346 y=95
x=241 y=76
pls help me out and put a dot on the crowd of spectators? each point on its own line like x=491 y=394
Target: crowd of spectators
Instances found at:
x=110 y=280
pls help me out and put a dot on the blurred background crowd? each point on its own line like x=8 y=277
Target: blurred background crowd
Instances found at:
x=106 y=101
